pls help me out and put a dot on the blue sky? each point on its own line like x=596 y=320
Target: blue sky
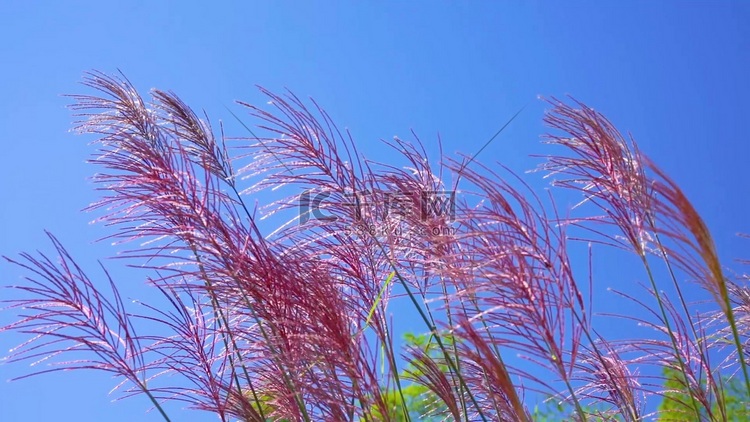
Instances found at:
x=673 y=74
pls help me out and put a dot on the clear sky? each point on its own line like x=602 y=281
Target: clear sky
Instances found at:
x=674 y=74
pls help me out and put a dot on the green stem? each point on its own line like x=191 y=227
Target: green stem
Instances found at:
x=669 y=329
x=154 y=401
x=665 y=257
x=223 y=322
